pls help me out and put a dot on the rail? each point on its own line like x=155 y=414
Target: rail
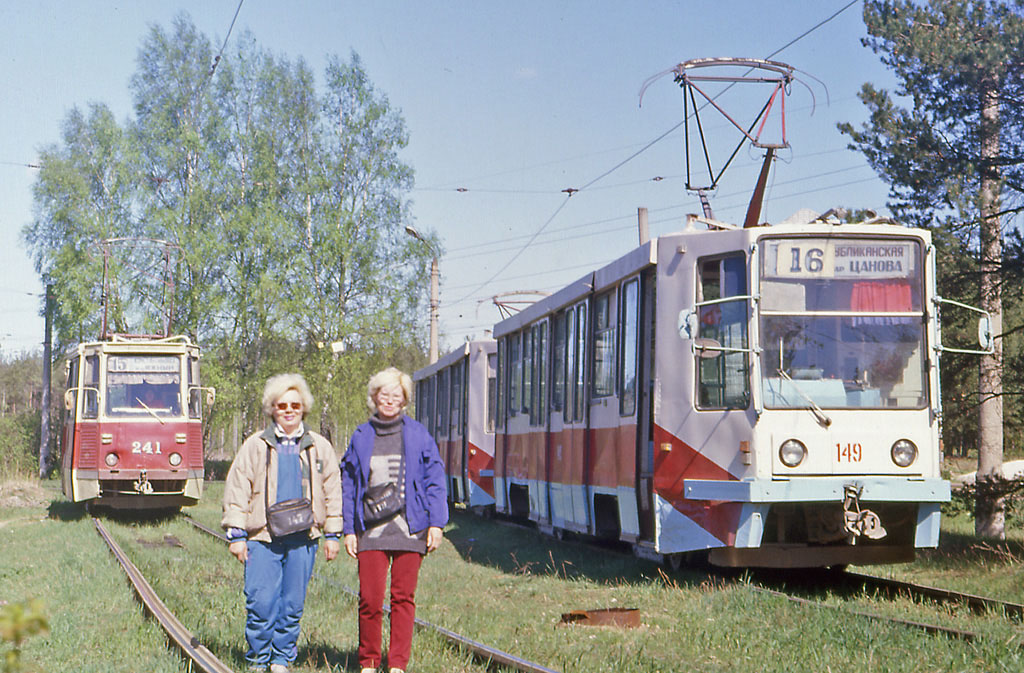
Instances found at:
x=484 y=652
x=176 y=631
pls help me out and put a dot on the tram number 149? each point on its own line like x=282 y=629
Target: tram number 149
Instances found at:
x=849 y=452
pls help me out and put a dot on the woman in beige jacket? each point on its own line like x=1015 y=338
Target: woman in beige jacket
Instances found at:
x=284 y=462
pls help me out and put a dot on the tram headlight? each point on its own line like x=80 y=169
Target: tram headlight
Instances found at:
x=904 y=452
x=792 y=452
x=110 y=459
x=174 y=459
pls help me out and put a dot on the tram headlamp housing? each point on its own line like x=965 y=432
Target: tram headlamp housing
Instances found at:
x=792 y=452
x=904 y=452
x=174 y=459
x=110 y=459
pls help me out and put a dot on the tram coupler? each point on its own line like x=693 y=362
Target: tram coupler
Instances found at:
x=859 y=521
x=142 y=484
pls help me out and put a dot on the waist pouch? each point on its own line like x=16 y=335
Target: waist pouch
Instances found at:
x=381 y=503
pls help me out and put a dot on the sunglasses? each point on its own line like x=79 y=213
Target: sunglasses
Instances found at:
x=283 y=406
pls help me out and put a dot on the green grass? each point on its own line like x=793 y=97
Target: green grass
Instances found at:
x=503 y=586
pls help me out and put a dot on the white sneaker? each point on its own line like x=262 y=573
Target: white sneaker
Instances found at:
x=368 y=670
x=278 y=668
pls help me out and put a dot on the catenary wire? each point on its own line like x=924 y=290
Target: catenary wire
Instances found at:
x=570 y=192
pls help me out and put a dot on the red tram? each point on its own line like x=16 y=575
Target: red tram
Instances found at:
x=132 y=435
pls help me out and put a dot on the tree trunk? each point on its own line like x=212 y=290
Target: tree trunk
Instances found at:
x=989 y=514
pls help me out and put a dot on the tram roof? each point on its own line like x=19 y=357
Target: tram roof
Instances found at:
x=454 y=355
x=647 y=254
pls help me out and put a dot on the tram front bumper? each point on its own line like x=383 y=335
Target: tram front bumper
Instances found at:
x=819 y=489
x=757 y=496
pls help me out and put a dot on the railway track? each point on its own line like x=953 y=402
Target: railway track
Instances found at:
x=810 y=581
x=490 y=656
x=199 y=657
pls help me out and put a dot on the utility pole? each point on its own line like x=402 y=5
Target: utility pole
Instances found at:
x=44 y=414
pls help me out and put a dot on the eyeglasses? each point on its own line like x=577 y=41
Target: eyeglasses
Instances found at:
x=390 y=398
x=283 y=406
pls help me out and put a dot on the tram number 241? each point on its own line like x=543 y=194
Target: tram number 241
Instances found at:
x=145 y=447
x=849 y=452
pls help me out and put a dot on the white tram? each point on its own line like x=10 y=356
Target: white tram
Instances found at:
x=766 y=395
x=455 y=400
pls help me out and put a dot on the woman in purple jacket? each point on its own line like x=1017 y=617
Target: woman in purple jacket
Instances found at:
x=391 y=448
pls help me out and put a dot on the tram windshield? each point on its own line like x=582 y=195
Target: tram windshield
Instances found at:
x=140 y=385
x=842 y=323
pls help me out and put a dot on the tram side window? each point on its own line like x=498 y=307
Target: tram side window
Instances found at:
x=629 y=327
x=515 y=374
x=457 y=400
x=579 y=355
x=723 y=380
x=492 y=393
x=500 y=390
x=558 y=355
x=195 y=404
x=91 y=390
x=429 y=401
x=444 y=401
x=538 y=404
x=527 y=372
x=604 y=346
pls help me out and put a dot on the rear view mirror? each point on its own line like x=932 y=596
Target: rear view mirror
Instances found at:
x=687 y=324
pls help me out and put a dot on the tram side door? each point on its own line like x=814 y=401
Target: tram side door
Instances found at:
x=559 y=433
x=71 y=395
x=647 y=319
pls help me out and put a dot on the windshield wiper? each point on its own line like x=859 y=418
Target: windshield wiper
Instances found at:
x=151 y=412
x=820 y=415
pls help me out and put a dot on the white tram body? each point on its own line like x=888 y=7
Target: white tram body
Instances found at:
x=767 y=395
x=463 y=425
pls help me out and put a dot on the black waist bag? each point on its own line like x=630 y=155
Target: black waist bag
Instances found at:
x=288 y=516
x=381 y=503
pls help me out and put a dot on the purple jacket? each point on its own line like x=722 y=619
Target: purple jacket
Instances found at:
x=426 y=496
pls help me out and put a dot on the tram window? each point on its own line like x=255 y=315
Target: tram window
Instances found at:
x=492 y=392
x=558 y=363
x=500 y=383
x=538 y=406
x=515 y=374
x=195 y=403
x=457 y=400
x=723 y=377
x=604 y=346
x=427 y=401
x=527 y=372
x=580 y=351
x=443 y=402
x=628 y=326
x=842 y=323
x=91 y=385
x=143 y=384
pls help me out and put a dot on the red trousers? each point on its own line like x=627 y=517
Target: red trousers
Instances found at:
x=373 y=571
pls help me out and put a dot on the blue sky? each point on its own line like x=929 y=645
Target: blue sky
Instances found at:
x=506 y=105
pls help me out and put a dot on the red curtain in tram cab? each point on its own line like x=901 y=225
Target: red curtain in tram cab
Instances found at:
x=881 y=296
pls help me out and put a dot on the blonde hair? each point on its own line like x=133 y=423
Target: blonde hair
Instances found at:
x=392 y=376
x=277 y=386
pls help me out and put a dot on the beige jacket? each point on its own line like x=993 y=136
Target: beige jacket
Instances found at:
x=244 y=502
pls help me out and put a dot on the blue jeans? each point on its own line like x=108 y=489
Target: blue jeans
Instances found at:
x=276 y=576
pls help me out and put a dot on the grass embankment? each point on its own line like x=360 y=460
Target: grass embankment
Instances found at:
x=502 y=586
